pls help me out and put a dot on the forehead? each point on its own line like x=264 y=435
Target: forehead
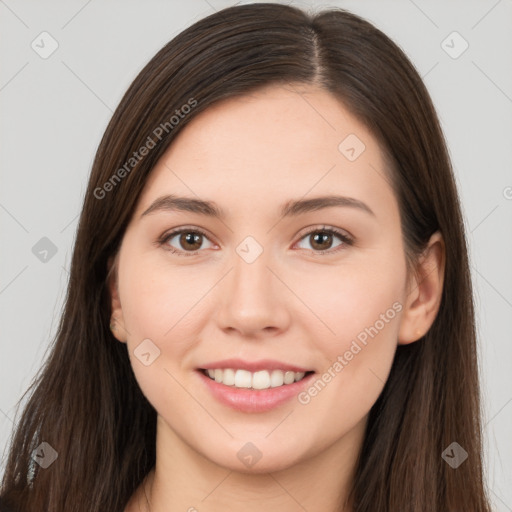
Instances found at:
x=274 y=144
x=287 y=121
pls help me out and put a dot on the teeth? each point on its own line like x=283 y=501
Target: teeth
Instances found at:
x=243 y=379
x=228 y=377
x=258 y=380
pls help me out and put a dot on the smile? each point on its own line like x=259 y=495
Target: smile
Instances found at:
x=254 y=391
x=263 y=379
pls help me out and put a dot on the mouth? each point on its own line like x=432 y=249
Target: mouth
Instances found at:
x=255 y=390
x=260 y=380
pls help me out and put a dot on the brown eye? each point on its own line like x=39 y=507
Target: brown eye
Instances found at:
x=190 y=240
x=321 y=240
x=187 y=242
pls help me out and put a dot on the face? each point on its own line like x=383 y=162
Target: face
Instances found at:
x=313 y=294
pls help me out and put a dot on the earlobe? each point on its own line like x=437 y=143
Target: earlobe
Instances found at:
x=425 y=292
x=116 y=321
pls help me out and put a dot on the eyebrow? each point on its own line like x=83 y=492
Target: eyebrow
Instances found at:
x=291 y=208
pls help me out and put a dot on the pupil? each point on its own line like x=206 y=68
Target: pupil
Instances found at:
x=191 y=238
x=321 y=236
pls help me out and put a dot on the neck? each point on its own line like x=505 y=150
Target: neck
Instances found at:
x=184 y=480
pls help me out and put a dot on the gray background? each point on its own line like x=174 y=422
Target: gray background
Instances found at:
x=54 y=111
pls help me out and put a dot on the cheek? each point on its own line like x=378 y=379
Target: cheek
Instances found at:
x=352 y=300
x=158 y=302
x=360 y=310
x=160 y=311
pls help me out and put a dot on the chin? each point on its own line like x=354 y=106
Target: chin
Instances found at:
x=258 y=457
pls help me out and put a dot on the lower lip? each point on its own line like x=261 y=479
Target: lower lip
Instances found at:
x=254 y=400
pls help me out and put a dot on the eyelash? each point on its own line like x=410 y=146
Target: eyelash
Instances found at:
x=162 y=241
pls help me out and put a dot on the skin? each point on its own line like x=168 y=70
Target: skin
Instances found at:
x=250 y=155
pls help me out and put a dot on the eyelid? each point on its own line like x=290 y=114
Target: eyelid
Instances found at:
x=165 y=237
x=325 y=227
x=346 y=238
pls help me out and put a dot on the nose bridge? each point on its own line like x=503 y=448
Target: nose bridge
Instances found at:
x=251 y=278
x=252 y=298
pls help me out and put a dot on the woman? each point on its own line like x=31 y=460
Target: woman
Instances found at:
x=269 y=305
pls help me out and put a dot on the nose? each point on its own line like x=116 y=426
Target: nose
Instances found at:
x=253 y=299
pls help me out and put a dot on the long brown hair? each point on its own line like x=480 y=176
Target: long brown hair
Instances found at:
x=86 y=403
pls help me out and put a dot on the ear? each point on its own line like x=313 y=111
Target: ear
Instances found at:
x=117 y=320
x=424 y=292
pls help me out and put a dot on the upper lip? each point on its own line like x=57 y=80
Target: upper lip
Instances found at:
x=254 y=366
